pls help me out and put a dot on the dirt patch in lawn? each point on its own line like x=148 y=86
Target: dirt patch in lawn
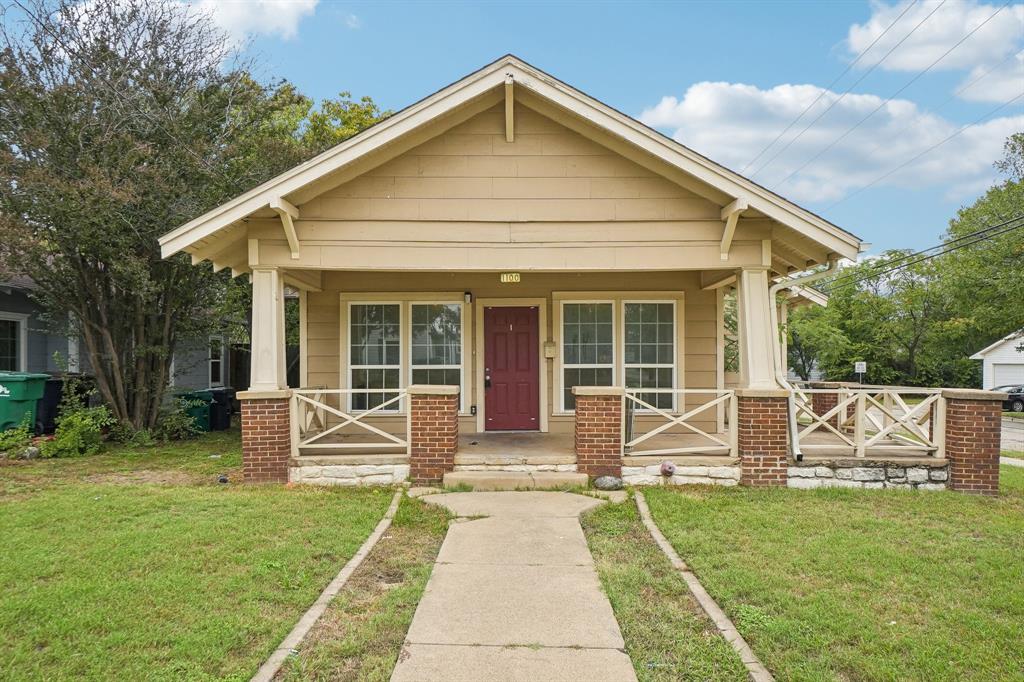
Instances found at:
x=153 y=476
x=360 y=635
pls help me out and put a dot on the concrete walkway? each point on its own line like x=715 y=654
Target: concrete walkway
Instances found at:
x=514 y=596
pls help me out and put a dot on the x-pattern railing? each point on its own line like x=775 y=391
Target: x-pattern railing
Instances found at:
x=310 y=407
x=872 y=418
x=714 y=443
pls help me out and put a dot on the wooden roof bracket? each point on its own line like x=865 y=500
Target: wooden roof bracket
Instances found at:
x=509 y=108
x=731 y=214
x=288 y=213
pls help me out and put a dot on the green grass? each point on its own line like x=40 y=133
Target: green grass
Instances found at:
x=1018 y=415
x=862 y=585
x=360 y=635
x=136 y=564
x=667 y=635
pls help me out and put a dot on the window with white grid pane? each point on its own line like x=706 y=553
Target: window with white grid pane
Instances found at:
x=588 y=347
x=649 y=352
x=374 y=354
x=436 y=339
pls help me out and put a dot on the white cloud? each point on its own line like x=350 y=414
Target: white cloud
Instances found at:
x=951 y=22
x=999 y=83
x=241 y=18
x=353 y=22
x=732 y=122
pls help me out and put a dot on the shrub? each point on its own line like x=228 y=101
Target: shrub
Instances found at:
x=177 y=423
x=79 y=432
x=123 y=432
x=16 y=439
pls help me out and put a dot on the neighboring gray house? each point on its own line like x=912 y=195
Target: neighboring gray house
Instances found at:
x=28 y=345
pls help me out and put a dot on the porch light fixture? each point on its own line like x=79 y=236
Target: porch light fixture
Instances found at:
x=467 y=297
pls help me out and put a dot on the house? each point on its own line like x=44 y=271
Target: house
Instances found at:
x=512 y=277
x=30 y=343
x=1002 y=362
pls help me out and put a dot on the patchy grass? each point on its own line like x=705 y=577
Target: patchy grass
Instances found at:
x=1016 y=415
x=862 y=585
x=106 y=577
x=668 y=636
x=360 y=635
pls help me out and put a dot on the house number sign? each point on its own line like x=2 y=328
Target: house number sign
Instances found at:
x=510 y=278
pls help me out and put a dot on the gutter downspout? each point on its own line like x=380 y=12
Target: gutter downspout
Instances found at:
x=773 y=315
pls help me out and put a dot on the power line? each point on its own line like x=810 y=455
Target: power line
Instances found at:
x=973 y=235
x=829 y=86
x=874 y=111
x=929 y=149
x=969 y=240
x=847 y=91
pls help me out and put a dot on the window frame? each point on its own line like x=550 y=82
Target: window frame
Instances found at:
x=406 y=337
x=676 y=337
x=562 y=365
x=349 y=367
x=21 y=336
x=219 y=339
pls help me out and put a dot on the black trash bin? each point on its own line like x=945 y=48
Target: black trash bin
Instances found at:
x=221 y=409
x=46 y=408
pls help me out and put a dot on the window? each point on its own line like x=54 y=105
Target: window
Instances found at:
x=437 y=343
x=650 y=355
x=588 y=355
x=12 y=344
x=216 y=361
x=375 y=353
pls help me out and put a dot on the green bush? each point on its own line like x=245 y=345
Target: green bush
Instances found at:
x=177 y=423
x=14 y=440
x=79 y=432
x=123 y=432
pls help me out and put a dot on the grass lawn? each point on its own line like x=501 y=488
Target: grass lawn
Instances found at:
x=136 y=564
x=360 y=635
x=862 y=585
x=667 y=635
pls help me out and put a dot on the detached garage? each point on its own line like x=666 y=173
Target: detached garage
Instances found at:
x=1003 y=361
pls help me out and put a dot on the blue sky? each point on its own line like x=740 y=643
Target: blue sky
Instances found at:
x=722 y=77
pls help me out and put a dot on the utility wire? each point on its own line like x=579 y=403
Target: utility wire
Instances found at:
x=874 y=111
x=829 y=87
x=929 y=149
x=845 y=282
x=847 y=91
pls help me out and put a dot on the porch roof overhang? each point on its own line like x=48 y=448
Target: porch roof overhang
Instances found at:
x=219 y=234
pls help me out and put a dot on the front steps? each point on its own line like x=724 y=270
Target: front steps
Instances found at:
x=515 y=480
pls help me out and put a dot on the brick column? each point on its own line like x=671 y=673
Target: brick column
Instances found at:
x=433 y=432
x=973 y=420
x=266 y=436
x=762 y=436
x=598 y=430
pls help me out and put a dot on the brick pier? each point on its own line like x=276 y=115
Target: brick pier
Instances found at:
x=598 y=429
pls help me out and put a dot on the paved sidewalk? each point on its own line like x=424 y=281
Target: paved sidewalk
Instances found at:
x=514 y=596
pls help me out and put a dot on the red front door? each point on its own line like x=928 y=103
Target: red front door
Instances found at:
x=511 y=369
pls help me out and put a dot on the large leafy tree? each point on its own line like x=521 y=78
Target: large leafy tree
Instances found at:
x=120 y=119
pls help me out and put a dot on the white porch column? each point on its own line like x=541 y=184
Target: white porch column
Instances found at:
x=755 y=329
x=267 y=352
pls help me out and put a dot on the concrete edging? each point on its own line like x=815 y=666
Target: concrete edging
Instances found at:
x=755 y=669
x=294 y=638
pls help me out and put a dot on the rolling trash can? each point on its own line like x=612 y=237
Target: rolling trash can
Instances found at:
x=19 y=393
x=199 y=407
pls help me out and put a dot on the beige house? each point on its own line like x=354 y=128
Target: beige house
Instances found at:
x=510 y=238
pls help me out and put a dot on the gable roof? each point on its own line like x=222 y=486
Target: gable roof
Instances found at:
x=1012 y=336
x=728 y=183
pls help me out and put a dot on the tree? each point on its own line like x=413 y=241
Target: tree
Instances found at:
x=120 y=119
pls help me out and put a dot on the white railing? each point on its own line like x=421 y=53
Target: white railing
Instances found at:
x=311 y=427
x=678 y=422
x=870 y=420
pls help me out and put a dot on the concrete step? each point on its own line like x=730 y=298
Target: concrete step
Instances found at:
x=514 y=480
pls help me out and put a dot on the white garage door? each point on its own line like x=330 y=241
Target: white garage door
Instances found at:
x=1007 y=374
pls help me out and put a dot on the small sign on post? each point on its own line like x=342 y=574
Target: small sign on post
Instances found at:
x=861 y=368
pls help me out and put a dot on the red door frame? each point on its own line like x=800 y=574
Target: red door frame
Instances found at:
x=512 y=366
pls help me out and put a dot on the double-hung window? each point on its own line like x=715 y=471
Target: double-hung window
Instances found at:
x=216 y=361
x=436 y=338
x=13 y=338
x=588 y=348
x=374 y=354
x=649 y=351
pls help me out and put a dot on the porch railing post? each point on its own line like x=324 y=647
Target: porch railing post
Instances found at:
x=734 y=431
x=858 y=424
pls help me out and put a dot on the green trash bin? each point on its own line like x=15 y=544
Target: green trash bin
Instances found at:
x=200 y=409
x=19 y=392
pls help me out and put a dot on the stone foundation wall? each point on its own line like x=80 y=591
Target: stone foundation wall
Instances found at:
x=701 y=475
x=349 y=474
x=517 y=467
x=891 y=475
